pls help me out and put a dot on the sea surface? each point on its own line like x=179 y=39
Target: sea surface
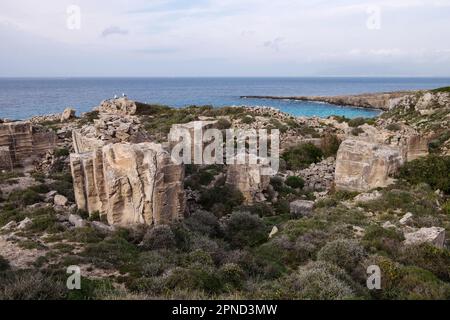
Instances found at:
x=21 y=98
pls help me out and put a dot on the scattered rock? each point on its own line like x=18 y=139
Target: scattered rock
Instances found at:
x=9 y=226
x=433 y=235
x=406 y=218
x=388 y=225
x=273 y=232
x=301 y=208
x=367 y=197
x=77 y=221
x=102 y=227
x=25 y=223
x=60 y=200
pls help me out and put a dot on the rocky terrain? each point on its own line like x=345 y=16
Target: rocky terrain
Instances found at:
x=100 y=191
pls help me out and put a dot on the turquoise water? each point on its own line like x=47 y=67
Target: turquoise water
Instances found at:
x=23 y=98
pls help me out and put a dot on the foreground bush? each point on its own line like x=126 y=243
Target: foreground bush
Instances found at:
x=318 y=281
x=433 y=170
x=343 y=253
x=244 y=229
x=159 y=237
x=31 y=285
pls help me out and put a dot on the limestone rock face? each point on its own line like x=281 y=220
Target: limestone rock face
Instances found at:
x=129 y=183
x=362 y=166
x=433 y=235
x=20 y=142
x=250 y=180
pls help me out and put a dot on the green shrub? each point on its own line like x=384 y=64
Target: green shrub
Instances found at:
x=394 y=127
x=159 y=237
x=24 y=197
x=248 y=119
x=203 y=222
x=446 y=207
x=357 y=131
x=31 y=285
x=244 y=229
x=433 y=170
x=343 y=253
x=62 y=152
x=223 y=124
x=330 y=145
x=232 y=276
x=222 y=199
x=356 y=122
x=317 y=281
x=301 y=156
x=384 y=240
x=295 y=182
x=427 y=256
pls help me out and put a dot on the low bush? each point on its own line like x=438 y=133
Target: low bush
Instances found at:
x=159 y=237
x=31 y=285
x=317 y=281
x=204 y=222
x=24 y=197
x=221 y=199
x=330 y=145
x=433 y=170
x=302 y=156
x=244 y=229
x=295 y=182
x=343 y=253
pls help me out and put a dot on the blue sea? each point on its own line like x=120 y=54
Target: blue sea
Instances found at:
x=22 y=98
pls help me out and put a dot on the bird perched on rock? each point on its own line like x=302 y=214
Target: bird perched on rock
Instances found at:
x=124 y=95
x=115 y=96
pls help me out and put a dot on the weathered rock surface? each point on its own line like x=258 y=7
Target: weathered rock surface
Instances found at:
x=319 y=176
x=20 y=143
x=362 y=166
x=60 y=200
x=129 y=184
x=433 y=235
x=250 y=179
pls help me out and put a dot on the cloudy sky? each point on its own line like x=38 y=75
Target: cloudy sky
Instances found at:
x=224 y=38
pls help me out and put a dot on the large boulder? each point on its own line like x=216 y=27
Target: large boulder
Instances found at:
x=433 y=235
x=129 y=184
x=250 y=179
x=362 y=166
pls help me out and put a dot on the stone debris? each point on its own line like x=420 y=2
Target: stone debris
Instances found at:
x=60 y=200
x=367 y=197
x=406 y=218
x=77 y=221
x=318 y=176
x=25 y=223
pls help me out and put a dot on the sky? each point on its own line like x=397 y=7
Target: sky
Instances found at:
x=146 y=38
